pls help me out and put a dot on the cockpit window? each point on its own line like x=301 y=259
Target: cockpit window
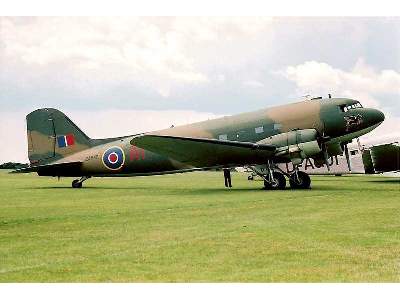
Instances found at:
x=346 y=108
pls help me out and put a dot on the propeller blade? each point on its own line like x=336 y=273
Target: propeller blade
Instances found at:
x=326 y=157
x=322 y=140
x=346 y=152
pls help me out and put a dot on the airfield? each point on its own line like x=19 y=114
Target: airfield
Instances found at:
x=189 y=228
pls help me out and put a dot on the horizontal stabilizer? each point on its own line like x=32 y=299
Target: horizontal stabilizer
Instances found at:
x=64 y=169
x=202 y=152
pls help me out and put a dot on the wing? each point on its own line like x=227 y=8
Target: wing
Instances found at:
x=201 y=152
x=57 y=169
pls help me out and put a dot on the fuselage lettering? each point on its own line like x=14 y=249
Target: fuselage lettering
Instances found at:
x=136 y=153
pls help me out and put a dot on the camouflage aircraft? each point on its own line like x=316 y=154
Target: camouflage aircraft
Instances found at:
x=385 y=158
x=316 y=128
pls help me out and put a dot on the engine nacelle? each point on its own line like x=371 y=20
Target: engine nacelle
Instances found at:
x=332 y=150
x=295 y=145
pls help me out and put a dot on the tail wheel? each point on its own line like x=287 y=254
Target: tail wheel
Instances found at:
x=279 y=182
x=76 y=184
x=302 y=181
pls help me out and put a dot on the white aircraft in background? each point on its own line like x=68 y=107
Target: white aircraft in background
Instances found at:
x=364 y=158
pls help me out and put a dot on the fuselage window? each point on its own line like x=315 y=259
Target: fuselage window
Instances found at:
x=259 y=129
x=346 y=108
x=223 y=137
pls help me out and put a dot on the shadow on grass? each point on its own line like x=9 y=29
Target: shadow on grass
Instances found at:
x=202 y=191
x=159 y=189
x=81 y=189
x=386 y=181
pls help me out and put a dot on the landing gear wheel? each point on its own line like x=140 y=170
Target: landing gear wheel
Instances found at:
x=279 y=182
x=76 y=184
x=302 y=181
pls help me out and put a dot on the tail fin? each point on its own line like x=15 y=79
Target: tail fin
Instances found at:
x=52 y=135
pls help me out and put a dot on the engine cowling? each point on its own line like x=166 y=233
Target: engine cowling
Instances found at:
x=295 y=145
x=331 y=150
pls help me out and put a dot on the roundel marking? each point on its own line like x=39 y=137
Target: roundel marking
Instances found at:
x=113 y=158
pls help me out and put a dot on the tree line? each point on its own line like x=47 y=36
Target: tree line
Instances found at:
x=13 y=165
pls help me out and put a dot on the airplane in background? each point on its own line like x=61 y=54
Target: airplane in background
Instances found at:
x=317 y=128
x=382 y=158
x=371 y=158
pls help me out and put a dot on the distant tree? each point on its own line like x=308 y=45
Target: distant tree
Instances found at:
x=13 y=165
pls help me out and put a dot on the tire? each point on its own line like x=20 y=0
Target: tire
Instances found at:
x=278 y=184
x=303 y=183
x=76 y=184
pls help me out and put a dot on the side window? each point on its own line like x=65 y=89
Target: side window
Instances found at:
x=223 y=137
x=277 y=126
x=259 y=129
x=346 y=108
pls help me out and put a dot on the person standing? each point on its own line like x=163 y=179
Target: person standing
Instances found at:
x=227 y=177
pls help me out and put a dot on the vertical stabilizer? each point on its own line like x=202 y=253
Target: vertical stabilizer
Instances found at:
x=52 y=135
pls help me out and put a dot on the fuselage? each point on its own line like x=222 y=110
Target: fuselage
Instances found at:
x=339 y=119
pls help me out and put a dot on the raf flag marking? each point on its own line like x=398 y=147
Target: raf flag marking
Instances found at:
x=65 y=140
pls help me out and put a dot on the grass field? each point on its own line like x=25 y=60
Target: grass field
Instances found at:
x=188 y=228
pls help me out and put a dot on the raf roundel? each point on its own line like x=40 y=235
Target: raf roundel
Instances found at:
x=113 y=158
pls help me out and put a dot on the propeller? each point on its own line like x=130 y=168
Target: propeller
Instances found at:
x=322 y=141
x=346 y=153
x=326 y=156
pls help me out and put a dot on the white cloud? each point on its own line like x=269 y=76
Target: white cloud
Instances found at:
x=362 y=82
x=125 y=122
x=220 y=78
x=253 y=83
x=13 y=137
x=96 y=124
x=159 y=53
x=387 y=132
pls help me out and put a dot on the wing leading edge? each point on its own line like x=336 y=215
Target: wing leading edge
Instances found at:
x=202 y=152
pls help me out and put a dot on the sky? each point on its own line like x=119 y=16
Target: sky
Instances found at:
x=123 y=75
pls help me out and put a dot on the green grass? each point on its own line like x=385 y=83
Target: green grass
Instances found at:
x=189 y=228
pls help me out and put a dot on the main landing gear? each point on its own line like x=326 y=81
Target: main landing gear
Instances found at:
x=299 y=180
x=276 y=182
x=274 y=179
x=77 y=183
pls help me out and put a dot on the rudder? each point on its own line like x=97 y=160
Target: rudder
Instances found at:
x=52 y=135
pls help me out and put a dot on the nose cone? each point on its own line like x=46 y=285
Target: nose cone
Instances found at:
x=381 y=116
x=374 y=117
x=363 y=119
